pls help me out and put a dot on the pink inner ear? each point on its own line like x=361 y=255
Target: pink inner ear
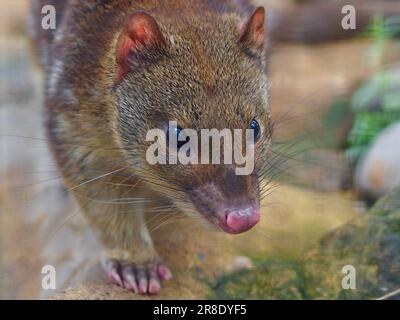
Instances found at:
x=140 y=29
x=125 y=44
x=139 y=33
x=132 y=35
x=259 y=18
x=253 y=32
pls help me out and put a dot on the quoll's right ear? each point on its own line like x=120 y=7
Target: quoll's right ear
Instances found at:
x=140 y=35
x=252 y=33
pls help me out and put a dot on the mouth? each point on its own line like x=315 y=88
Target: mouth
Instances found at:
x=232 y=213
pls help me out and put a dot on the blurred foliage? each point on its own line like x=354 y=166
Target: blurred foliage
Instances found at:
x=337 y=115
x=367 y=125
x=384 y=28
x=381 y=30
x=379 y=93
x=376 y=104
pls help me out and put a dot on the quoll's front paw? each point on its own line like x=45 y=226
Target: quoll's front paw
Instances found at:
x=142 y=279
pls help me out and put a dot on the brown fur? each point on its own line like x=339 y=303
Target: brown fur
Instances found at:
x=204 y=77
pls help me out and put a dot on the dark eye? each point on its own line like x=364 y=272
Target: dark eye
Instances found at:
x=257 y=130
x=175 y=134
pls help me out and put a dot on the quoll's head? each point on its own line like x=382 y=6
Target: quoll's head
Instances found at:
x=207 y=73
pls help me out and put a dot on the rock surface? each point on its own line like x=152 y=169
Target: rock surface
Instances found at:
x=369 y=243
x=378 y=172
x=206 y=264
x=41 y=225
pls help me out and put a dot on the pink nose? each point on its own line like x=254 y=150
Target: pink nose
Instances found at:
x=240 y=220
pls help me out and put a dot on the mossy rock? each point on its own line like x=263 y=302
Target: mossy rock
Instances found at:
x=370 y=244
x=388 y=205
x=272 y=280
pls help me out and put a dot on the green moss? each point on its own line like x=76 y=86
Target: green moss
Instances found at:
x=370 y=243
x=366 y=127
x=270 y=280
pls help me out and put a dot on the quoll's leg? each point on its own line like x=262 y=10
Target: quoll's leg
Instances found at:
x=130 y=260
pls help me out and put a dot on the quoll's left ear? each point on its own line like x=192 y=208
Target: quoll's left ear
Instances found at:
x=252 y=33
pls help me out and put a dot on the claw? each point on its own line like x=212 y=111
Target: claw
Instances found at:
x=164 y=273
x=154 y=281
x=128 y=273
x=113 y=272
x=141 y=276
